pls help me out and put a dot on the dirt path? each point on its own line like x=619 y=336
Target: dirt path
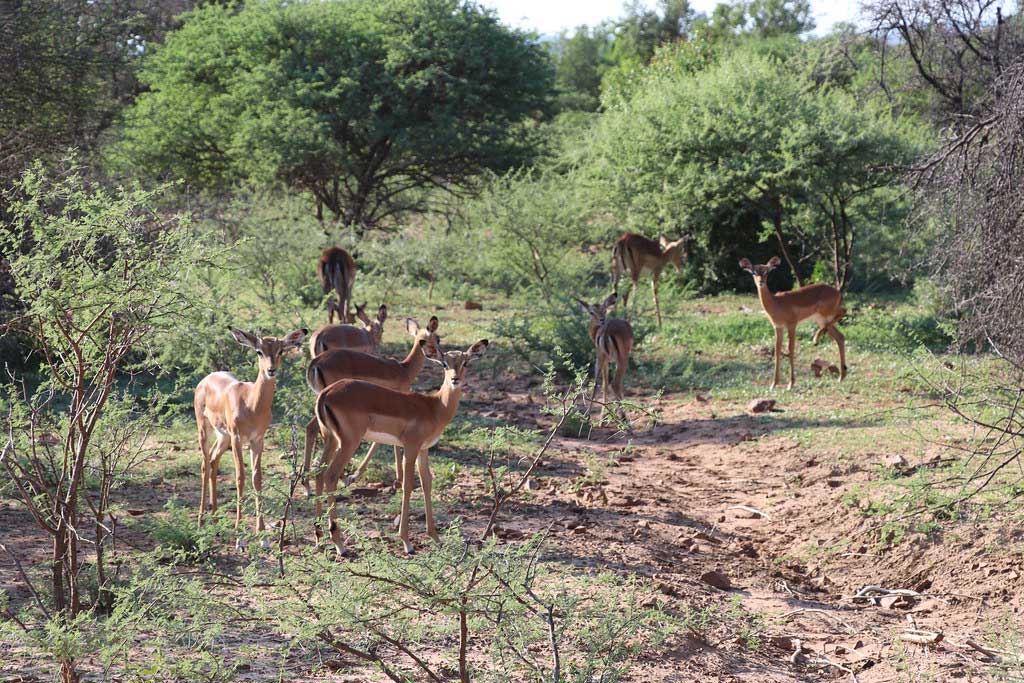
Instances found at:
x=665 y=506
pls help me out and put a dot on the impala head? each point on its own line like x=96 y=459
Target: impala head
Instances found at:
x=760 y=273
x=598 y=312
x=675 y=251
x=269 y=349
x=456 y=362
x=376 y=326
x=426 y=337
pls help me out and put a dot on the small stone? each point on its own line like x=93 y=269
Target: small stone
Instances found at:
x=580 y=530
x=532 y=484
x=716 y=579
x=760 y=405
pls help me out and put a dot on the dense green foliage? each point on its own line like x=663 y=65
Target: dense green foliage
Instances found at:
x=364 y=105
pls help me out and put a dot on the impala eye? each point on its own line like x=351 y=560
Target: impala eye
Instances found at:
x=259 y=353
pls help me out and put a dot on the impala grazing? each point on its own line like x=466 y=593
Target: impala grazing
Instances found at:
x=366 y=338
x=333 y=365
x=350 y=411
x=636 y=253
x=613 y=339
x=337 y=273
x=239 y=414
x=818 y=302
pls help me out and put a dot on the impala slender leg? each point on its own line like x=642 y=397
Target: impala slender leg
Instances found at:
x=361 y=469
x=222 y=444
x=206 y=466
x=409 y=473
x=330 y=448
x=834 y=332
x=778 y=355
x=792 y=356
x=256 y=462
x=312 y=432
x=398 y=468
x=817 y=335
x=236 y=451
x=657 y=307
x=334 y=471
x=427 y=482
x=604 y=386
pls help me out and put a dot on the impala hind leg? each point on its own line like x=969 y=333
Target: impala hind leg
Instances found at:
x=222 y=444
x=427 y=483
x=657 y=307
x=834 y=332
x=361 y=469
x=206 y=466
x=312 y=433
x=328 y=455
x=334 y=471
x=817 y=335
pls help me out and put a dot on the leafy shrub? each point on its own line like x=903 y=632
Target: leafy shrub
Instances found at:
x=180 y=539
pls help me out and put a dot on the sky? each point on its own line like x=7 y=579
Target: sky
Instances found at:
x=548 y=17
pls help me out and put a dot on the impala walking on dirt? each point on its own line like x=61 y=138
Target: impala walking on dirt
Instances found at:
x=239 y=414
x=613 y=340
x=351 y=411
x=819 y=302
x=636 y=253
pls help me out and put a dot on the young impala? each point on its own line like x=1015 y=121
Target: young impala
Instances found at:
x=613 y=339
x=239 y=414
x=333 y=365
x=337 y=272
x=350 y=411
x=366 y=338
x=636 y=253
x=818 y=302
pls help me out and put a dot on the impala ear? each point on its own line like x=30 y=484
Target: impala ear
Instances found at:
x=412 y=326
x=610 y=301
x=294 y=339
x=432 y=325
x=245 y=338
x=746 y=265
x=663 y=241
x=476 y=350
x=433 y=353
x=774 y=262
x=382 y=313
x=583 y=304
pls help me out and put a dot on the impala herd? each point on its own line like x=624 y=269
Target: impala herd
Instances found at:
x=361 y=396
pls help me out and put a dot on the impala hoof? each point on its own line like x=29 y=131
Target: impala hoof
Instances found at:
x=265 y=543
x=241 y=545
x=409 y=549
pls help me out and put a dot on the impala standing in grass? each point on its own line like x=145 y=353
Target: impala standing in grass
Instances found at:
x=613 y=340
x=818 y=302
x=366 y=338
x=337 y=272
x=239 y=414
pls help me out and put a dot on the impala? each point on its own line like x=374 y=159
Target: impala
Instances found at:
x=636 y=253
x=239 y=413
x=613 y=339
x=337 y=272
x=333 y=365
x=350 y=411
x=818 y=302
x=366 y=338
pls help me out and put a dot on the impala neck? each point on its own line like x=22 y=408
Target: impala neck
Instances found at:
x=414 y=361
x=261 y=397
x=449 y=397
x=767 y=298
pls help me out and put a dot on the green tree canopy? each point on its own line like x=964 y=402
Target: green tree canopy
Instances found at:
x=362 y=104
x=743 y=151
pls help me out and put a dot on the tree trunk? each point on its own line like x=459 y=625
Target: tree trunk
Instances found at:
x=777 y=222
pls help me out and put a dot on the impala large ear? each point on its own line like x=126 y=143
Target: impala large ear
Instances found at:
x=610 y=301
x=412 y=326
x=293 y=340
x=433 y=353
x=663 y=241
x=746 y=265
x=361 y=313
x=774 y=262
x=245 y=338
x=432 y=325
x=583 y=304
x=382 y=314
x=476 y=350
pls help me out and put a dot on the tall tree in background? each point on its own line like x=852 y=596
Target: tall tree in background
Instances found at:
x=580 y=63
x=365 y=105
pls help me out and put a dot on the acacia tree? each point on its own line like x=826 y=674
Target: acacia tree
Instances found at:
x=365 y=105
x=96 y=274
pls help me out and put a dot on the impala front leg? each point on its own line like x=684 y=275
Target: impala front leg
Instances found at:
x=426 y=482
x=792 y=356
x=256 y=462
x=657 y=307
x=236 y=452
x=778 y=356
x=408 y=476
